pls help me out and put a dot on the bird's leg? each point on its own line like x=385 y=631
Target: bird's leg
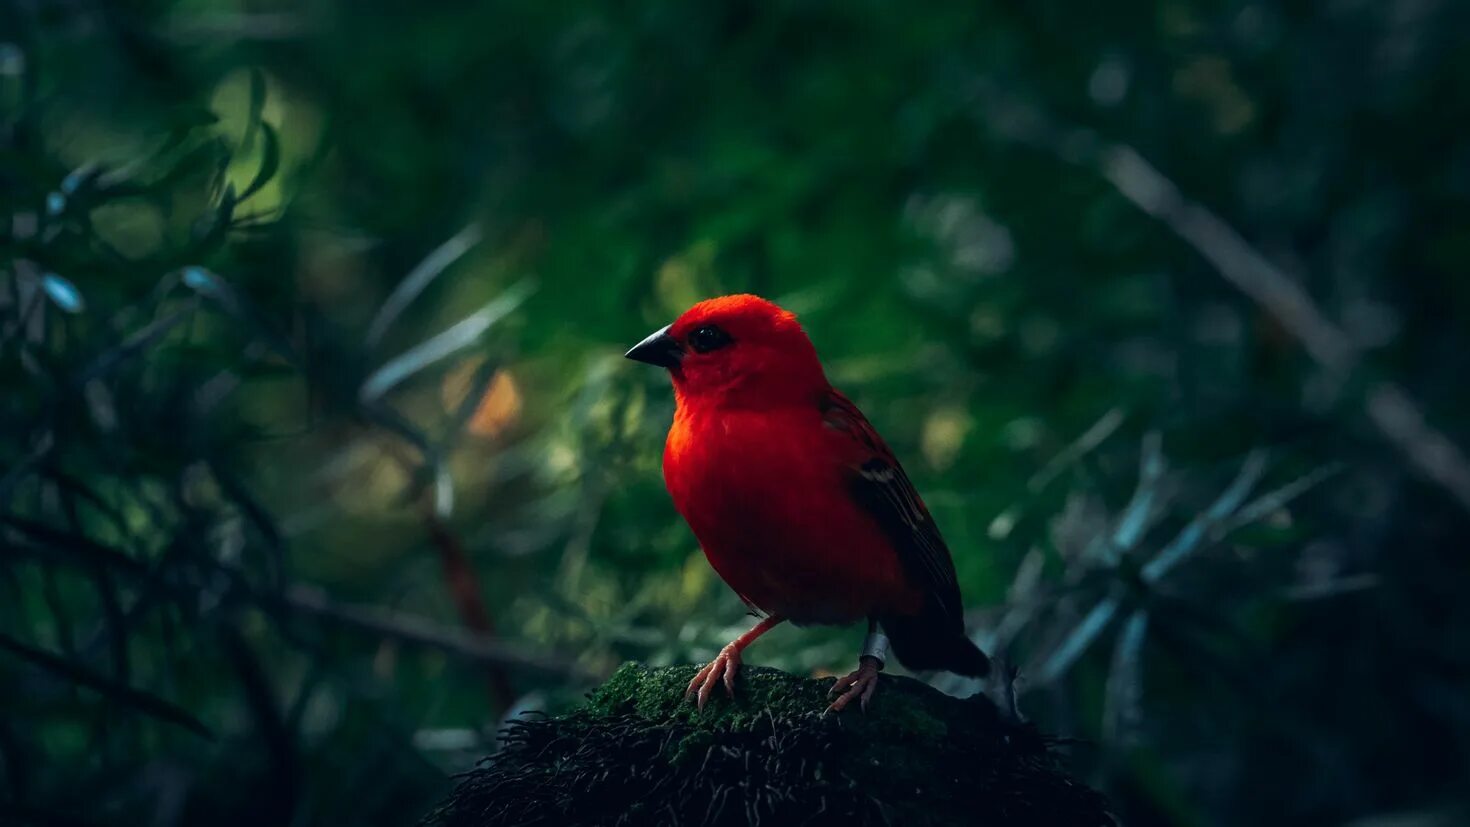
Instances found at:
x=862 y=682
x=727 y=663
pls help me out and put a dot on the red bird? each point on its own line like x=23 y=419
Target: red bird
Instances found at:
x=798 y=504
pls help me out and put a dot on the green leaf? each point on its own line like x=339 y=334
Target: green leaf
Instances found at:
x=420 y=278
x=1081 y=637
x=461 y=335
x=1190 y=539
x=253 y=118
x=1124 y=692
x=270 y=161
x=1277 y=499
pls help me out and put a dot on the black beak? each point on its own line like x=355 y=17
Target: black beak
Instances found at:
x=658 y=349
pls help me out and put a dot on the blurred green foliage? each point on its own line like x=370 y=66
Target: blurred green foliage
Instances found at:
x=320 y=459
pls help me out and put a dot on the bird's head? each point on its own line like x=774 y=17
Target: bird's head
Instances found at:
x=735 y=350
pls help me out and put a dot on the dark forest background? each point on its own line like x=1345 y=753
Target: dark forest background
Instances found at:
x=318 y=457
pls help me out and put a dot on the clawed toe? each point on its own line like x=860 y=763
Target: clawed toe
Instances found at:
x=720 y=670
x=841 y=683
x=858 y=686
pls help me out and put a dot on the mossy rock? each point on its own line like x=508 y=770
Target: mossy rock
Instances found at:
x=638 y=754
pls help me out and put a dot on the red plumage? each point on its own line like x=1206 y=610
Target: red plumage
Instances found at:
x=798 y=503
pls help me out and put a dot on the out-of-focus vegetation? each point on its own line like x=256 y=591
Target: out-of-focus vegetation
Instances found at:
x=319 y=458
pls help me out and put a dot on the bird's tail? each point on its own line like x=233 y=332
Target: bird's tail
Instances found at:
x=919 y=645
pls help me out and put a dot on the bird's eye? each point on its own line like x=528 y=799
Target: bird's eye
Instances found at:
x=707 y=338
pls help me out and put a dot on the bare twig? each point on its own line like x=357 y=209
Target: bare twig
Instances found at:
x=408 y=628
x=116 y=691
x=463 y=583
x=304 y=600
x=1398 y=418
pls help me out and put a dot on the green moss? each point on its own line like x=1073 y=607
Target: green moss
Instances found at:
x=639 y=753
x=904 y=706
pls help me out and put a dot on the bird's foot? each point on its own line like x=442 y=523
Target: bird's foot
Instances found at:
x=721 y=669
x=857 y=686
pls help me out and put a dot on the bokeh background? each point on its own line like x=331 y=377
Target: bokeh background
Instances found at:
x=318 y=458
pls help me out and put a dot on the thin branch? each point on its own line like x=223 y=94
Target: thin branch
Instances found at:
x=463 y=583
x=1232 y=256
x=408 y=628
x=310 y=601
x=110 y=689
x=1398 y=418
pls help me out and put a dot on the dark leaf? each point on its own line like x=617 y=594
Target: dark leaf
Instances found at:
x=420 y=278
x=1191 y=539
x=257 y=106
x=1124 y=692
x=461 y=335
x=1081 y=636
x=136 y=342
x=270 y=161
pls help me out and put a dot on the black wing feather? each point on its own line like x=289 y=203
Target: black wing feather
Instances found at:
x=885 y=491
